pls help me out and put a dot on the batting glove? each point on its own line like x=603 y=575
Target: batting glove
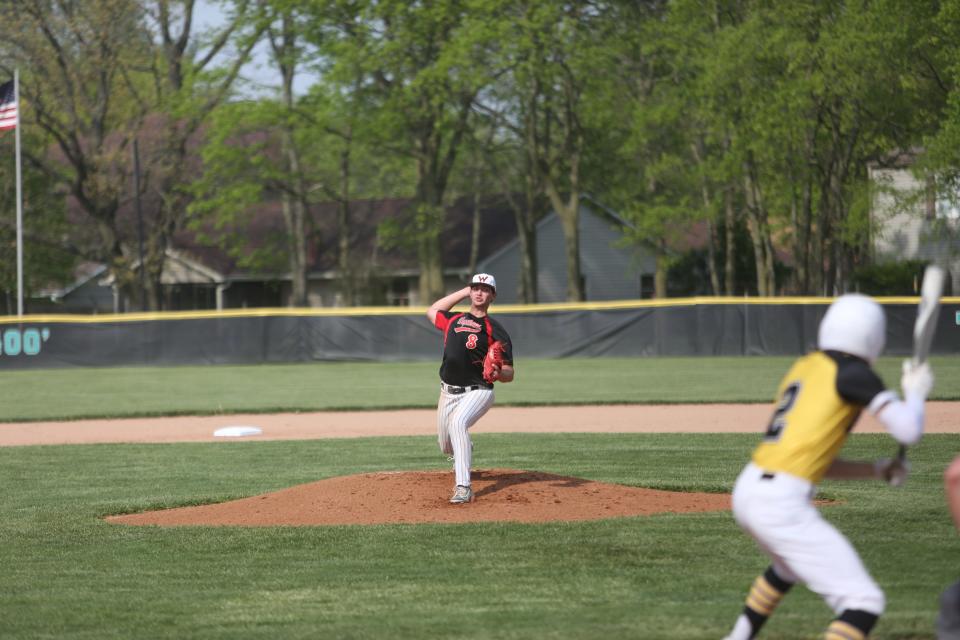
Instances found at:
x=893 y=471
x=917 y=380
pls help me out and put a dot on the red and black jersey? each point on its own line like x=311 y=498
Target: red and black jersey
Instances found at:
x=465 y=341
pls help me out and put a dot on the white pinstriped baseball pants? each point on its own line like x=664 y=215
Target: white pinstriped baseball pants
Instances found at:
x=456 y=413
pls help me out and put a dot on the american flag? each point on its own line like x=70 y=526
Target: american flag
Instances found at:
x=8 y=106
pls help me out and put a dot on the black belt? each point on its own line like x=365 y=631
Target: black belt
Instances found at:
x=449 y=388
x=767 y=475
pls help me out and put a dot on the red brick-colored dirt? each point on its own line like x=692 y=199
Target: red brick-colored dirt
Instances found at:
x=418 y=497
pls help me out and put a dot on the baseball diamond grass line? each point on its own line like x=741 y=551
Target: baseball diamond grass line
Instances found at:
x=61 y=394
x=68 y=574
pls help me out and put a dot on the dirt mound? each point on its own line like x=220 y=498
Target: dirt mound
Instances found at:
x=417 y=497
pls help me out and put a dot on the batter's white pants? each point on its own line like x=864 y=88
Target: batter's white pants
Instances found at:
x=780 y=515
x=456 y=413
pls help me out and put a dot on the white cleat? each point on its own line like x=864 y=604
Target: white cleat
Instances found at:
x=462 y=495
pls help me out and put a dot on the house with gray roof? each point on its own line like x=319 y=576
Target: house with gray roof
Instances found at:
x=202 y=271
x=610 y=270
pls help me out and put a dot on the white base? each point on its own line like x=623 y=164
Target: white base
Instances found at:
x=237 y=432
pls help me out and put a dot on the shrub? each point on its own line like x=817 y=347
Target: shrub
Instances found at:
x=889 y=278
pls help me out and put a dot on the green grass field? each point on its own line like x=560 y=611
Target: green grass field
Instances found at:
x=62 y=394
x=65 y=573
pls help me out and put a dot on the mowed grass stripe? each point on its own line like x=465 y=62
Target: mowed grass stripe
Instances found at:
x=61 y=394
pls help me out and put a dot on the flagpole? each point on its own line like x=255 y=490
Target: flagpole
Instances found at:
x=16 y=98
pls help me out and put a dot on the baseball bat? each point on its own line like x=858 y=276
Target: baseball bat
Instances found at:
x=926 y=323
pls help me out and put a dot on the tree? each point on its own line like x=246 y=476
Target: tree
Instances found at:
x=809 y=94
x=98 y=76
x=660 y=180
x=770 y=115
x=556 y=50
x=473 y=179
x=246 y=168
x=497 y=162
x=422 y=66
x=48 y=251
x=77 y=63
x=284 y=38
x=737 y=114
x=939 y=166
x=186 y=86
x=298 y=150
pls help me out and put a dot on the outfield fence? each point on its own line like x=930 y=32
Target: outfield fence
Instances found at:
x=675 y=327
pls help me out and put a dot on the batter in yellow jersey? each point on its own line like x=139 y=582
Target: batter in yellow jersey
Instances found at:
x=817 y=404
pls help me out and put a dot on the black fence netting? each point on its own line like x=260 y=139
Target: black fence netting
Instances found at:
x=628 y=329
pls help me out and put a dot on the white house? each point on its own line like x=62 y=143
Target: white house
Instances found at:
x=910 y=222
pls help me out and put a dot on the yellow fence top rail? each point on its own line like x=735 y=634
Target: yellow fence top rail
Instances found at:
x=609 y=305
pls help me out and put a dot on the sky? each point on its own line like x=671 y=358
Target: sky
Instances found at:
x=262 y=78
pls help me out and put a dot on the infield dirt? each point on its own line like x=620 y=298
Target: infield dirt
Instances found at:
x=942 y=417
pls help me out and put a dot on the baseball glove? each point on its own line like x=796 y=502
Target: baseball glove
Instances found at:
x=493 y=361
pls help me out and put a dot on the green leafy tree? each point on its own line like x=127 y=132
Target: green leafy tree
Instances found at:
x=300 y=151
x=285 y=38
x=246 y=167
x=182 y=86
x=98 y=76
x=939 y=164
x=49 y=250
x=421 y=66
x=77 y=62
x=512 y=108
x=474 y=179
x=772 y=114
x=813 y=93
x=659 y=181
x=558 y=55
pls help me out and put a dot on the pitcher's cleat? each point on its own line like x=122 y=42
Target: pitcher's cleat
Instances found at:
x=462 y=495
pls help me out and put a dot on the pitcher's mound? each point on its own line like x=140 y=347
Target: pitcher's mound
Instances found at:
x=414 y=497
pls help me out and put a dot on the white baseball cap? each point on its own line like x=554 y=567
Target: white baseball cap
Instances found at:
x=485 y=278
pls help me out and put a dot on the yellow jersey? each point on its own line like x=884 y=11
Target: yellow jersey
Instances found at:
x=818 y=402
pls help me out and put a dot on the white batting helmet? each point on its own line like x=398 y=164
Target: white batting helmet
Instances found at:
x=854 y=324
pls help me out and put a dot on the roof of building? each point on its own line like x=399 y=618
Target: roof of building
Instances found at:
x=263 y=248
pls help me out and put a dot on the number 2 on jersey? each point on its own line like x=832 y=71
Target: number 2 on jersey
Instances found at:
x=779 y=420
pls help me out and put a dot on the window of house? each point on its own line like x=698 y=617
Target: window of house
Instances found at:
x=947 y=200
x=948 y=209
x=398 y=294
x=647 y=287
